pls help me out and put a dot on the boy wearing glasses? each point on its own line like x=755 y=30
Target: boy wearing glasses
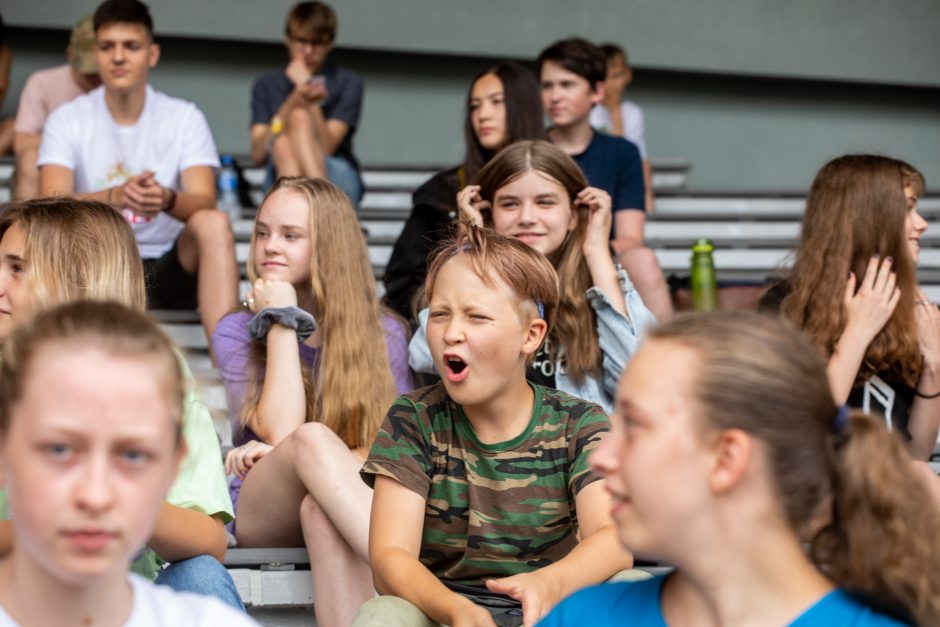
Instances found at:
x=303 y=116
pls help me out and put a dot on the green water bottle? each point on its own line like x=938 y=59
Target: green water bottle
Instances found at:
x=704 y=285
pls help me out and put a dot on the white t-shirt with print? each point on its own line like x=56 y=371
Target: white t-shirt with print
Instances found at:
x=634 y=128
x=170 y=136
x=161 y=606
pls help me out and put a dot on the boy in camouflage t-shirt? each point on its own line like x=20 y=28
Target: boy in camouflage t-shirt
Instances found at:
x=485 y=511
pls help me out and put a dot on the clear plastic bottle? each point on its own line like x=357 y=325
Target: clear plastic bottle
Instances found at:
x=228 y=190
x=704 y=283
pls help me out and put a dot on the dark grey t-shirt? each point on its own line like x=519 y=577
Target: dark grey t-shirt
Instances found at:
x=343 y=102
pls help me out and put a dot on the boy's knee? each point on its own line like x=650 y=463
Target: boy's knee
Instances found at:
x=211 y=227
x=298 y=119
x=391 y=611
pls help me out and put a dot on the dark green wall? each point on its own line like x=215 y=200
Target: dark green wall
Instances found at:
x=746 y=106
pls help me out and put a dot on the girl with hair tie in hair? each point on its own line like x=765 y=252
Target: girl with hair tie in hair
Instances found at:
x=726 y=458
x=532 y=191
x=853 y=291
x=309 y=372
x=503 y=106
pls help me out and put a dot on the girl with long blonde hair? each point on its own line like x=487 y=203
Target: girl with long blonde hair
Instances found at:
x=534 y=192
x=309 y=372
x=853 y=290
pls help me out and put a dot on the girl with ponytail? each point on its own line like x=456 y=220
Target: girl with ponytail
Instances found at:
x=729 y=459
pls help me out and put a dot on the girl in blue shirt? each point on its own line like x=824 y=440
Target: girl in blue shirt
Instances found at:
x=728 y=458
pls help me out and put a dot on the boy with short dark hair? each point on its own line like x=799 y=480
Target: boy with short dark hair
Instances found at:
x=484 y=510
x=153 y=158
x=572 y=73
x=303 y=116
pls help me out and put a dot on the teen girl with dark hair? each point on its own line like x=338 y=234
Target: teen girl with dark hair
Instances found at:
x=503 y=106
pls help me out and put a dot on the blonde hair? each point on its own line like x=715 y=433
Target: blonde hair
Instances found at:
x=527 y=273
x=107 y=326
x=354 y=387
x=576 y=328
x=77 y=250
x=758 y=374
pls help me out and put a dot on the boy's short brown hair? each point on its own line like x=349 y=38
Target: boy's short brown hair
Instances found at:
x=578 y=56
x=524 y=270
x=315 y=21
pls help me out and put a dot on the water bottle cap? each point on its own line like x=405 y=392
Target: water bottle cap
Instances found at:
x=227 y=160
x=703 y=246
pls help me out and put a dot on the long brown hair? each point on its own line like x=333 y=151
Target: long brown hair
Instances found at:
x=761 y=376
x=355 y=385
x=77 y=250
x=524 y=118
x=575 y=329
x=855 y=209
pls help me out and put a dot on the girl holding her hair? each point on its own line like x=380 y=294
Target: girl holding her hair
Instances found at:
x=853 y=290
x=534 y=192
x=89 y=486
x=58 y=250
x=727 y=455
x=309 y=372
x=503 y=106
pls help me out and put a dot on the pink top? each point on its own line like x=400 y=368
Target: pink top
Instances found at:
x=43 y=93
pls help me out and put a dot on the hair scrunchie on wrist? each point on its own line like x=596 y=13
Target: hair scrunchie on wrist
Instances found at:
x=291 y=317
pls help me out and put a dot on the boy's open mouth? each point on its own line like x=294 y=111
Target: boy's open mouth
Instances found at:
x=456 y=368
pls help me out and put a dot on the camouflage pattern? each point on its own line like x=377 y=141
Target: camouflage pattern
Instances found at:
x=493 y=510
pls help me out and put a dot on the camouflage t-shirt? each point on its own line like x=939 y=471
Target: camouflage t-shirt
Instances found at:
x=493 y=510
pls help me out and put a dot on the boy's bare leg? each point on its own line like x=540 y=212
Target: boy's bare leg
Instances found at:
x=306 y=145
x=285 y=161
x=207 y=247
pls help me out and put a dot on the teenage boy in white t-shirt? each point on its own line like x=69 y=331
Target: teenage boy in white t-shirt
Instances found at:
x=152 y=157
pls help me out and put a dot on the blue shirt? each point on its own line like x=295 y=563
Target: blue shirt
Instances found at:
x=613 y=164
x=343 y=101
x=637 y=603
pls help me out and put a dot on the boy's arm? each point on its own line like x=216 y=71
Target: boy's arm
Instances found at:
x=395 y=532
x=628 y=229
x=596 y=558
x=198 y=190
x=184 y=533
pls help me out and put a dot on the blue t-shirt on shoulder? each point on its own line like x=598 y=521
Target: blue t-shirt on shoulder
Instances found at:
x=637 y=603
x=613 y=164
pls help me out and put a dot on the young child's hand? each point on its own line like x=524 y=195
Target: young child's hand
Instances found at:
x=271 y=293
x=597 y=239
x=870 y=308
x=471 y=204
x=537 y=594
x=240 y=460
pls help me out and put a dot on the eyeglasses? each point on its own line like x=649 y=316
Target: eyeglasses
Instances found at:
x=303 y=41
